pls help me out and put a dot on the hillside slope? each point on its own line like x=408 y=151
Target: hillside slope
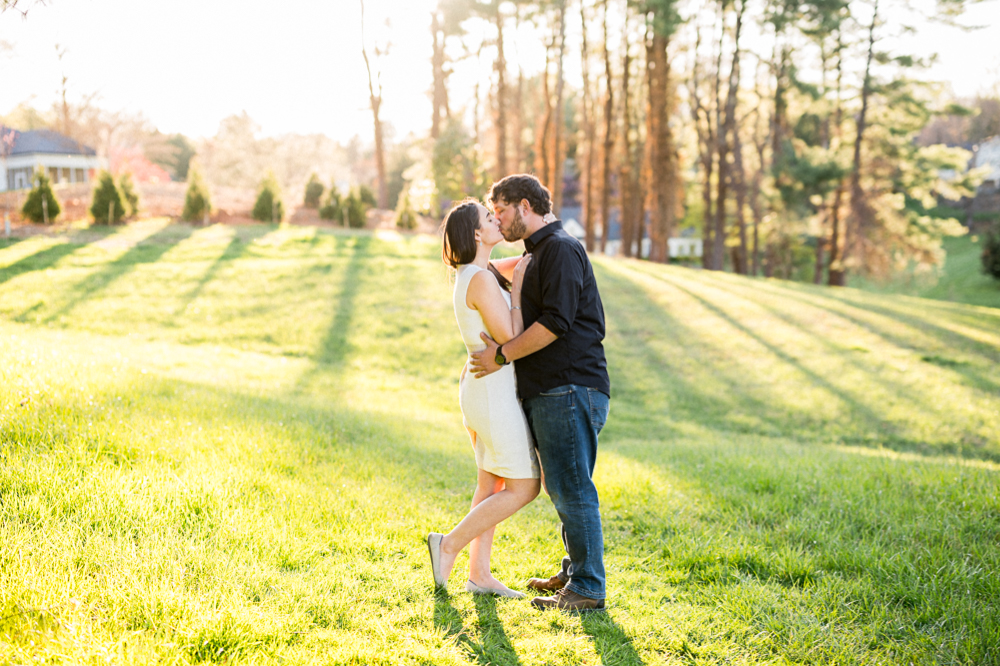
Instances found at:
x=226 y=444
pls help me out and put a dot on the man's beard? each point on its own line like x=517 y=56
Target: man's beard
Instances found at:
x=517 y=228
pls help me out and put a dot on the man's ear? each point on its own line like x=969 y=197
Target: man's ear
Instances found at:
x=525 y=203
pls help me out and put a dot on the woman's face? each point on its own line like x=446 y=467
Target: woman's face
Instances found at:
x=489 y=227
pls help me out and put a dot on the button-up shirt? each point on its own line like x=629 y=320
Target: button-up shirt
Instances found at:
x=560 y=293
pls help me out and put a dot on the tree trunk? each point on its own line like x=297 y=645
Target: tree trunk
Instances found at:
x=439 y=95
x=706 y=151
x=626 y=202
x=609 y=140
x=738 y=172
x=501 y=100
x=836 y=276
x=376 y=103
x=661 y=170
x=557 y=171
x=542 y=134
x=860 y=211
x=725 y=125
x=587 y=145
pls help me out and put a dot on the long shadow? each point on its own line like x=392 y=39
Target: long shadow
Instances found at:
x=38 y=261
x=335 y=347
x=688 y=400
x=495 y=648
x=147 y=251
x=950 y=339
x=976 y=381
x=241 y=241
x=947 y=337
x=846 y=397
x=610 y=640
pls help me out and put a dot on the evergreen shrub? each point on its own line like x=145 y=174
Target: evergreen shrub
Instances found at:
x=314 y=192
x=197 y=203
x=367 y=196
x=333 y=209
x=406 y=217
x=41 y=190
x=355 y=209
x=106 y=195
x=269 y=207
x=129 y=196
x=991 y=252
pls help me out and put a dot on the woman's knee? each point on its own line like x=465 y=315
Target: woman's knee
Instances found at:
x=526 y=490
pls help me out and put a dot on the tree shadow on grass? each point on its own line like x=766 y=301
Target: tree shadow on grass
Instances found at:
x=335 y=348
x=148 y=251
x=242 y=239
x=686 y=397
x=610 y=640
x=39 y=261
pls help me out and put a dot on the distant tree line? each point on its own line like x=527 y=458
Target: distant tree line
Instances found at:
x=784 y=134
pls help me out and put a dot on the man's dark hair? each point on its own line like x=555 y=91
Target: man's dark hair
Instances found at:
x=512 y=189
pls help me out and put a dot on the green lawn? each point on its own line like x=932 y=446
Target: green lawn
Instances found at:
x=961 y=279
x=226 y=444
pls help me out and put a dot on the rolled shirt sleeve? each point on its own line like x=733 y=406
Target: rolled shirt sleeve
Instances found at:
x=561 y=283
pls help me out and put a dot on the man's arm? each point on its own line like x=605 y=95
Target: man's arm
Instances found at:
x=536 y=337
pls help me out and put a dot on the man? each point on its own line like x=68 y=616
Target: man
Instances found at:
x=562 y=380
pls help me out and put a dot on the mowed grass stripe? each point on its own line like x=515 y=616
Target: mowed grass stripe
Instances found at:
x=231 y=452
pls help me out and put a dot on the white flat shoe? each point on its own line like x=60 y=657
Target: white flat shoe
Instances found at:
x=501 y=592
x=434 y=547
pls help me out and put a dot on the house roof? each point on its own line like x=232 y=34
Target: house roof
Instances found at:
x=44 y=141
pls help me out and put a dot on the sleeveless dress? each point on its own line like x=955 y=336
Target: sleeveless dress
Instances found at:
x=490 y=406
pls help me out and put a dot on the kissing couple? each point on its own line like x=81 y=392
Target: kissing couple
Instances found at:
x=534 y=392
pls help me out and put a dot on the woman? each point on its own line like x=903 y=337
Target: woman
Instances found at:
x=505 y=453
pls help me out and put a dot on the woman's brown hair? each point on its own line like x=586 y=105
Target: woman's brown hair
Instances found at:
x=459 y=242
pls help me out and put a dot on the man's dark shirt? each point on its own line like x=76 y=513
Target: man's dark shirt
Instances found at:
x=559 y=292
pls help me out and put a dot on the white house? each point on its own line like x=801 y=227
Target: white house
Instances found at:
x=65 y=160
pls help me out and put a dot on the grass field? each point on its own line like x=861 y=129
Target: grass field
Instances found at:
x=960 y=280
x=226 y=444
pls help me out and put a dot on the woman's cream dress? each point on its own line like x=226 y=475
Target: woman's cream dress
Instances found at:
x=490 y=405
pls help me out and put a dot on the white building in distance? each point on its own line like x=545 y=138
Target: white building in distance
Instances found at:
x=64 y=159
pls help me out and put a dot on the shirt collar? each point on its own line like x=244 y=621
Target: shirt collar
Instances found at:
x=532 y=241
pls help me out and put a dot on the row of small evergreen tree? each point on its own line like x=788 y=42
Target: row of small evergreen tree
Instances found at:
x=348 y=209
x=112 y=202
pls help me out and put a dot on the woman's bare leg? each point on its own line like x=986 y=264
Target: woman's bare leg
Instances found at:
x=491 y=511
x=480 y=547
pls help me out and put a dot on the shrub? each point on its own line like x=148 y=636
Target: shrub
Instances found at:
x=197 y=203
x=355 y=208
x=129 y=196
x=269 y=207
x=991 y=252
x=314 y=191
x=333 y=209
x=107 y=206
x=40 y=197
x=367 y=196
x=406 y=217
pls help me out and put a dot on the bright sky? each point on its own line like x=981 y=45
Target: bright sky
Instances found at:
x=296 y=66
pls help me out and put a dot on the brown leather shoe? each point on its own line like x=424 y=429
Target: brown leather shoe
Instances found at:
x=569 y=601
x=546 y=584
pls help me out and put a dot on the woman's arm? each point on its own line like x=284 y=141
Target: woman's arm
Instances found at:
x=506 y=266
x=515 y=295
x=484 y=295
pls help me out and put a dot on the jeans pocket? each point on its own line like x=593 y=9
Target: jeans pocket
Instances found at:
x=600 y=404
x=557 y=392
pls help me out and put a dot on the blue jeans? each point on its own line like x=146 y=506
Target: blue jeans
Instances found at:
x=565 y=422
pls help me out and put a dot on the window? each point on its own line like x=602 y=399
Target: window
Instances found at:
x=54 y=175
x=65 y=175
x=79 y=176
